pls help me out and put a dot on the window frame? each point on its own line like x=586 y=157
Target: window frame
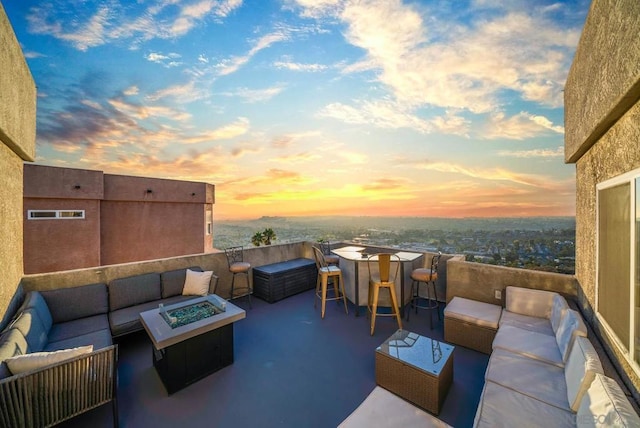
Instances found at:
x=628 y=350
x=58 y=215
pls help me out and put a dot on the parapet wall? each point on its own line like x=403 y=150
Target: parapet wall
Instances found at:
x=17 y=144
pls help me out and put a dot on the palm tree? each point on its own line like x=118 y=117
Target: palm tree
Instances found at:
x=257 y=239
x=268 y=235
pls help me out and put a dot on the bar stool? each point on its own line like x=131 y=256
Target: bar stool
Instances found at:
x=385 y=278
x=429 y=276
x=237 y=266
x=329 y=257
x=326 y=272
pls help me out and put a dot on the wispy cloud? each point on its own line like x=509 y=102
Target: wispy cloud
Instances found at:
x=519 y=127
x=296 y=66
x=168 y=60
x=232 y=65
x=84 y=28
x=534 y=153
x=255 y=95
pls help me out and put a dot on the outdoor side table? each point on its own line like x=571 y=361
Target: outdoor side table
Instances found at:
x=416 y=368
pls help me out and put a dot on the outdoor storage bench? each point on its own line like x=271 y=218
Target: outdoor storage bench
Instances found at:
x=134 y=294
x=57 y=359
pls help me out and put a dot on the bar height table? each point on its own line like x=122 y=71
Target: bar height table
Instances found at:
x=355 y=273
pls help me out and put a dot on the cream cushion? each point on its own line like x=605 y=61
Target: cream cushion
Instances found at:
x=424 y=275
x=525 y=322
x=559 y=307
x=530 y=377
x=571 y=326
x=527 y=301
x=196 y=283
x=36 y=360
x=529 y=343
x=385 y=409
x=605 y=404
x=582 y=366
x=473 y=312
x=504 y=407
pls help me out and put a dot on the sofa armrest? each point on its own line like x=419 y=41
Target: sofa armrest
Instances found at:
x=54 y=393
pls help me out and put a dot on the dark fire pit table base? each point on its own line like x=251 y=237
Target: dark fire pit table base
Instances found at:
x=187 y=353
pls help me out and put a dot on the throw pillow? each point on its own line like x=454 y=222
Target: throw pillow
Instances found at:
x=36 y=360
x=196 y=283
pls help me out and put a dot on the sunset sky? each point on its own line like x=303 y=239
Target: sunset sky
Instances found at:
x=313 y=107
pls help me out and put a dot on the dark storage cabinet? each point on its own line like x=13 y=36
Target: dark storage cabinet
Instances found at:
x=279 y=280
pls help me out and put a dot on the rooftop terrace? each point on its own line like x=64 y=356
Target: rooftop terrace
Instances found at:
x=291 y=367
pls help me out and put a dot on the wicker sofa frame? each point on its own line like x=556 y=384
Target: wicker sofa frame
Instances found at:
x=53 y=394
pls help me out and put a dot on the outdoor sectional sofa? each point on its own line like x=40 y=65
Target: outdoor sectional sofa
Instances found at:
x=57 y=356
x=543 y=371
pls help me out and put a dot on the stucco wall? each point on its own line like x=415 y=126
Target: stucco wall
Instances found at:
x=604 y=80
x=17 y=144
x=478 y=281
x=602 y=133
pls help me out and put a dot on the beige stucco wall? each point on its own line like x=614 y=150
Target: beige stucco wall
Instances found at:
x=17 y=144
x=602 y=131
x=604 y=80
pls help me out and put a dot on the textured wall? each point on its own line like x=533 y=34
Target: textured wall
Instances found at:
x=478 y=281
x=17 y=95
x=17 y=143
x=604 y=80
x=602 y=133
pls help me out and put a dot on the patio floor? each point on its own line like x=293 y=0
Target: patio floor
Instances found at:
x=291 y=369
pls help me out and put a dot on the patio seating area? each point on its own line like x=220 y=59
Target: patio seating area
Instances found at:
x=291 y=368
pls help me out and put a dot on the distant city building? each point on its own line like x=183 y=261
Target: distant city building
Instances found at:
x=76 y=218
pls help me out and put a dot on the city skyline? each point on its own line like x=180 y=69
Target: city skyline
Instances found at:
x=326 y=107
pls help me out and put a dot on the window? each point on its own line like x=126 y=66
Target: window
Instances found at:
x=618 y=268
x=209 y=230
x=55 y=214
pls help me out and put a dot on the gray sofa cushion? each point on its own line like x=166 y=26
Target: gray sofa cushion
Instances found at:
x=133 y=290
x=33 y=330
x=64 y=303
x=173 y=281
x=127 y=320
x=35 y=300
x=78 y=327
x=99 y=339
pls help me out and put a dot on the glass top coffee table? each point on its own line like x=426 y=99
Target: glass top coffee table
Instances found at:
x=416 y=368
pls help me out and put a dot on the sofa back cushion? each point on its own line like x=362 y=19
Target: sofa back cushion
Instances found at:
x=558 y=309
x=35 y=300
x=33 y=329
x=570 y=327
x=605 y=404
x=582 y=365
x=527 y=301
x=68 y=304
x=133 y=290
x=173 y=281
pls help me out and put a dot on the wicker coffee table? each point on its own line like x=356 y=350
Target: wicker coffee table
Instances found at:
x=416 y=368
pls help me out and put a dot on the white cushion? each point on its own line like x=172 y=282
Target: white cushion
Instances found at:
x=527 y=301
x=530 y=377
x=473 y=312
x=582 y=365
x=36 y=360
x=559 y=307
x=570 y=327
x=540 y=325
x=604 y=404
x=196 y=283
x=529 y=343
x=504 y=407
x=385 y=409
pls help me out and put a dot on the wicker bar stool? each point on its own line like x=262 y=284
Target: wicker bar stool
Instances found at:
x=385 y=278
x=237 y=266
x=428 y=276
x=328 y=272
